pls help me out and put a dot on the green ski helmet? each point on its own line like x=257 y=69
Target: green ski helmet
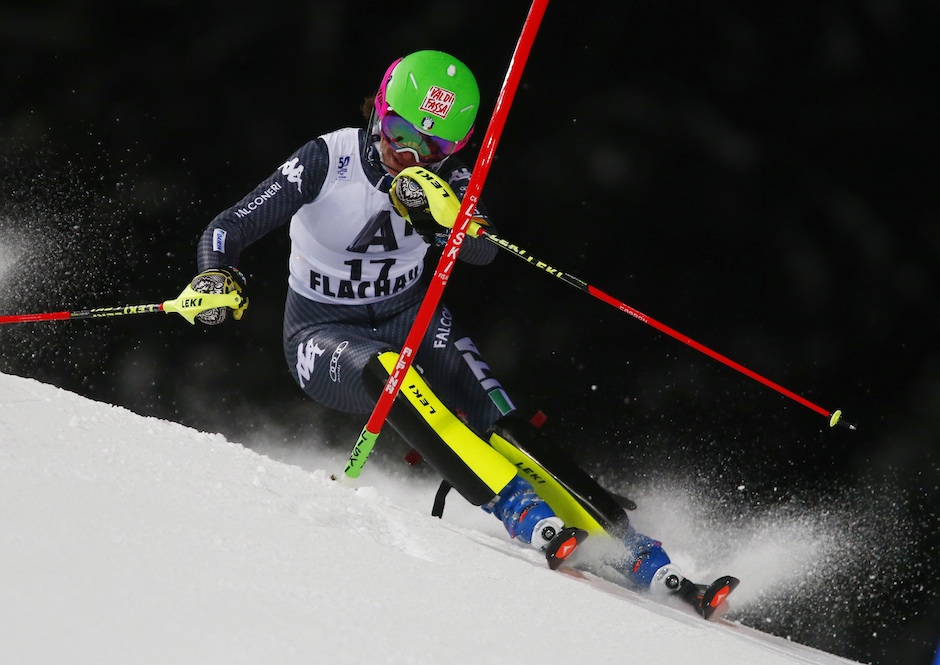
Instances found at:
x=426 y=104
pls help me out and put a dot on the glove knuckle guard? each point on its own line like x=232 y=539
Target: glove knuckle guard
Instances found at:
x=409 y=193
x=425 y=200
x=219 y=280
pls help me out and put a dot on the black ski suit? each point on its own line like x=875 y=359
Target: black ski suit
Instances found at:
x=356 y=278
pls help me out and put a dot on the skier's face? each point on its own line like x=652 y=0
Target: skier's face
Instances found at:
x=394 y=160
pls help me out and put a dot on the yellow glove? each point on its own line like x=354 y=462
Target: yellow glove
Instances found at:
x=220 y=280
x=425 y=200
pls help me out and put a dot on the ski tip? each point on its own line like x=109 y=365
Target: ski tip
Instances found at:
x=625 y=502
x=563 y=546
x=716 y=594
x=836 y=419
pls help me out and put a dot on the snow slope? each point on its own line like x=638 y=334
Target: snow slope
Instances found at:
x=130 y=539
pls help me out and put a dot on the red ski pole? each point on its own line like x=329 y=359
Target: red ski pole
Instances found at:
x=81 y=314
x=370 y=432
x=188 y=305
x=835 y=417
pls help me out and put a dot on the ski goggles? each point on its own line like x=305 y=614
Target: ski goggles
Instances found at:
x=402 y=136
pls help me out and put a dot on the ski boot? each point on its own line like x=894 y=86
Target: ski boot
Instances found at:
x=648 y=566
x=529 y=519
x=706 y=599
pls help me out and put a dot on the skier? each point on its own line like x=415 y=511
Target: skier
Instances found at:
x=360 y=203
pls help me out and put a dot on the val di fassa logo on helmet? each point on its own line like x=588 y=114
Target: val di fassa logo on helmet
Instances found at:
x=437 y=101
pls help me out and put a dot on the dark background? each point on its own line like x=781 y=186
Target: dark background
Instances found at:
x=760 y=177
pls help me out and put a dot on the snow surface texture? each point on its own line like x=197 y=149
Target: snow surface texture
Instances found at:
x=131 y=539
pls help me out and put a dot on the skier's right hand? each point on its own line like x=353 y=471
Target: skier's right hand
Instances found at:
x=220 y=280
x=426 y=201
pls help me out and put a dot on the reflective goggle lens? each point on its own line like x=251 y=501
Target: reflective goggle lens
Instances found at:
x=402 y=135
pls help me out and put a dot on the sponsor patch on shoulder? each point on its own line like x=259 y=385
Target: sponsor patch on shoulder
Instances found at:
x=218 y=240
x=342 y=168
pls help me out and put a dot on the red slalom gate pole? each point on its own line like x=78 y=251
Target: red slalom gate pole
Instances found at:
x=445 y=265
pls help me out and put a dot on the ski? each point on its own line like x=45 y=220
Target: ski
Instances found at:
x=708 y=598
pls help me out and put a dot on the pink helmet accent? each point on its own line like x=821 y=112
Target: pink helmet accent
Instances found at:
x=381 y=104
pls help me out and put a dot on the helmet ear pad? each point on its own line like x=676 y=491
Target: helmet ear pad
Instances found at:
x=465 y=141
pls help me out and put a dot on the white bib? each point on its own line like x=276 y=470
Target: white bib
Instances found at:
x=349 y=246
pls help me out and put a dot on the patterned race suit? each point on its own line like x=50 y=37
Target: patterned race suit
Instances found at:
x=356 y=278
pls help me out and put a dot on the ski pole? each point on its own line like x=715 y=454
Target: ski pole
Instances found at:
x=835 y=417
x=188 y=305
x=445 y=265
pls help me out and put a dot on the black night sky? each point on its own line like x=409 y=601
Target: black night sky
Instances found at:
x=759 y=177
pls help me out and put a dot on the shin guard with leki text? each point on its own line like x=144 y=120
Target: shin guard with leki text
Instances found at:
x=464 y=460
